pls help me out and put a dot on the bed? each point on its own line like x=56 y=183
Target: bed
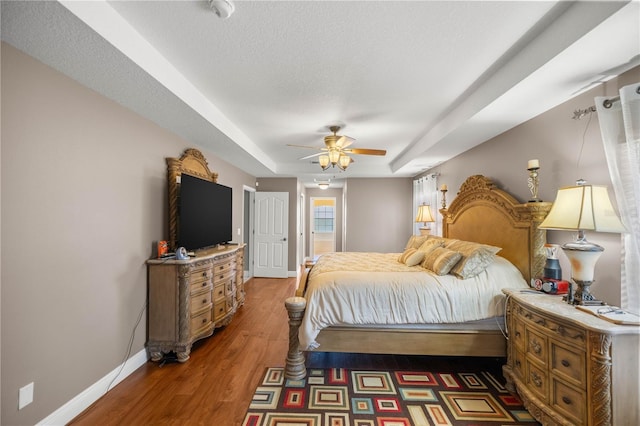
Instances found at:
x=411 y=309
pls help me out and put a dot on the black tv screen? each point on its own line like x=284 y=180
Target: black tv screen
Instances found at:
x=204 y=213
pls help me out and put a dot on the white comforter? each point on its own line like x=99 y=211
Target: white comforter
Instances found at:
x=350 y=293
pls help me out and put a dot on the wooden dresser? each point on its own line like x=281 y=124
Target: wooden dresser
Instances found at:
x=568 y=366
x=188 y=299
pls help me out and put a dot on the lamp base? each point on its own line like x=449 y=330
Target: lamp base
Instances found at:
x=425 y=231
x=582 y=295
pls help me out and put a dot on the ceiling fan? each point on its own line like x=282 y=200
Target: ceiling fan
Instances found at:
x=336 y=151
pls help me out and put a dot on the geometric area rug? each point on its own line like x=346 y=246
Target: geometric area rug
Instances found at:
x=343 y=397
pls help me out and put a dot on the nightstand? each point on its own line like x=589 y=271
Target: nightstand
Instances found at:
x=570 y=367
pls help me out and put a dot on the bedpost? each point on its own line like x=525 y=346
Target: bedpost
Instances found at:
x=294 y=367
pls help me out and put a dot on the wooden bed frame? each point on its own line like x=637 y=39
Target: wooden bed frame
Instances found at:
x=481 y=213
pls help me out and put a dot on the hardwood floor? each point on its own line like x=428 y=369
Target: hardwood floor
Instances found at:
x=215 y=386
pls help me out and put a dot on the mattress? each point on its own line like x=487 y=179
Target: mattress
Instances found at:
x=374 y=289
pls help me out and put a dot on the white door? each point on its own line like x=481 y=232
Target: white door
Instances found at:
x=271 y=242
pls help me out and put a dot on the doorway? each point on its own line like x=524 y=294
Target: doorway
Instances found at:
x=323 y=225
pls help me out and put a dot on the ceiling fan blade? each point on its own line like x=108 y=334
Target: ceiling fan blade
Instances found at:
x=317 y=154
x=366 y=151
x=344 y=141
x=305 y=146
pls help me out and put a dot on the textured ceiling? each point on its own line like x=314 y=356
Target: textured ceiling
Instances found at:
x=425 y=80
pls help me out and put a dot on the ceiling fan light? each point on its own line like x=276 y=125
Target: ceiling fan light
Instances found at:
x=345 y=160
x=324 y=161
x=334 y=156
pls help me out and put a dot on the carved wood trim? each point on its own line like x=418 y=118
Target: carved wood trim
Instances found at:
x=193 y=163
x=519 y=235
x=600 y=378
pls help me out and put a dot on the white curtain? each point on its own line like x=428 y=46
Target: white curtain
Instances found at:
x=620 y=128
x=425 y=190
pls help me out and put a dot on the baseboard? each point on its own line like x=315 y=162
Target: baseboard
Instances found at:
x=82 y=401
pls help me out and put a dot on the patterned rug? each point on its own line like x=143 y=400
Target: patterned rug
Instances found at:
x=341 y=397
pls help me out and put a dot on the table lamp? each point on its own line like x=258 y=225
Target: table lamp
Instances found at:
x=424 y=215
x=583 y=208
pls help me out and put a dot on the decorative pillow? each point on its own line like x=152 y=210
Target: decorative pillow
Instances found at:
x=475 y=258
x=431 y=243
x=440 y=260
x=408 y=252
x=415 y=258
x=416 y=241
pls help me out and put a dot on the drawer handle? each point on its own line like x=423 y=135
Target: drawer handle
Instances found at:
x=204 y=301
x=204 y=284
x=566 y=400
x=565 y=363
x=518 y=363
x=536 y=379
x=204 y=320
x=536 y=347
x=517 y=334
x=204 y=274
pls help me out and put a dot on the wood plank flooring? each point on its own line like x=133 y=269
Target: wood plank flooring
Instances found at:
x=215 y=386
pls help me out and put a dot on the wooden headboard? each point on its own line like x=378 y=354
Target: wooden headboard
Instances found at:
x=485 y=214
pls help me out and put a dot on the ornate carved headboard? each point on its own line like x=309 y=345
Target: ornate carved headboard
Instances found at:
x=485 y=214
x=192 y=163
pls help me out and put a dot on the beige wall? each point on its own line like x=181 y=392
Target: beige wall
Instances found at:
x=83 y=197
x=554 y=138
x=379 y=214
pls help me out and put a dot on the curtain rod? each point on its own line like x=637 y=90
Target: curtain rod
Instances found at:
x=607 y=103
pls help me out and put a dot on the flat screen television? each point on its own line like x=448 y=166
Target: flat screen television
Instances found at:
x=204 y=213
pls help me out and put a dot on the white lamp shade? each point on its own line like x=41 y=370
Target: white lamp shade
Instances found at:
x=324 y=161
x=583 y=207
x=334 y=156
x=424 y=214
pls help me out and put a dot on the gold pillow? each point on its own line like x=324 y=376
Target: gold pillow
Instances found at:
x=440 y=260
x=416 y=241
x=475 y=258
x=408 y=252
x=431 y=243
x=414 y=258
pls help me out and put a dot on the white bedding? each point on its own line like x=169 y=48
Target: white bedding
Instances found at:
x=398 y=294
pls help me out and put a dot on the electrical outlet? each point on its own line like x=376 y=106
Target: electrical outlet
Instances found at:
x=25 y=396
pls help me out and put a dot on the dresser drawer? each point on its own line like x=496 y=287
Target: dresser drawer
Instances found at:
x=220 y=309
x=518 y=335
x=219 y=292
x=537 y=381
x=536 y=346
x=200 y=301
x=568 y=363
x=223 y=276
x=519 y=363
x=569 y=401
x=200 y=322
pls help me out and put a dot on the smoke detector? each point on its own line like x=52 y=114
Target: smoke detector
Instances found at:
x=222 y=8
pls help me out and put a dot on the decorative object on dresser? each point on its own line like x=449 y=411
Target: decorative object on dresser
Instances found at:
x=570 y=367
x=579 y=208
x=190 y=296
x=424 y=216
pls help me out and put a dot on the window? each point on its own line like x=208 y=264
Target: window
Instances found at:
x=323 y=218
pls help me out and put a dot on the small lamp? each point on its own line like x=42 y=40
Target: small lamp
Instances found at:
x=424 y=215
x=324 y=161
x=583 y=208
